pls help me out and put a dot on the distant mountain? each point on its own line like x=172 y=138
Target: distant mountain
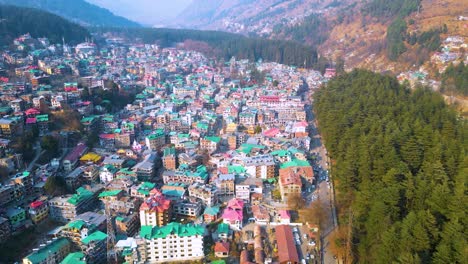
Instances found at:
x=249 y=16
x=16 y=21
x=78 y=11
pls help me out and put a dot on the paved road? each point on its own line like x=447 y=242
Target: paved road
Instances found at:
x=39 y=152
x=324 y=191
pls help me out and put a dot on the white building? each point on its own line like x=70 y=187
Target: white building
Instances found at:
x=173 y=242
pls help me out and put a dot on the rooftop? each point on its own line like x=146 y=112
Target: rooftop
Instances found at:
x=178 y=229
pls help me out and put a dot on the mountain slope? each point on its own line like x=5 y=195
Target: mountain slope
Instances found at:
x=15 y=21
x=249 y=16
x=78 y=11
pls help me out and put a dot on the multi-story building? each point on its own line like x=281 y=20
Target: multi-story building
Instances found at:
x=247 y=186
x=7 y=194
x=90 y=174
x=173 y=242
x=185 y=175
x=127 y=225
x=145 y=169
x=290 y=184
x=71 y=160
x=187 y=209
x=76 y=230
x=16 y=217
x=297 y=166
x=156 y=210
x=66 y=208
x=38 y=211
x=52 y=253
x=107 y=173
x=156 y=141
x=206 y=193
x=226 y=184
x=169 y=159
x=210 y=143
x=10 y=127
x=261 y=166
x=5 y=229
x=94 y=247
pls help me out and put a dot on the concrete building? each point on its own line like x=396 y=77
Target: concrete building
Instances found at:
x=206 y=193
x=156 y=210
x=187 y=209
x=38 y=211
x=52 y=253
x=65 y=208
x=173 y=242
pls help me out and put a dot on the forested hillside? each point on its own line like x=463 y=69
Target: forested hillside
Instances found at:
x=15 y=21
x=227 y=44
x=78 y=11
x=399 y=168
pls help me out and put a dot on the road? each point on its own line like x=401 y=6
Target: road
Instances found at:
x=39 y=152
x=324 y=191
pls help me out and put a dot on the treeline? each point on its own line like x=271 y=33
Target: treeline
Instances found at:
x=455 y=79
x=399 y=167
x=15 y=21
x=228 y=45
x=390 y=9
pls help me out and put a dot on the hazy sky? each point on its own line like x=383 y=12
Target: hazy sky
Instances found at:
x=148 y=12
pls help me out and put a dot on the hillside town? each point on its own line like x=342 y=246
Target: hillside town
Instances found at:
x=123 y=152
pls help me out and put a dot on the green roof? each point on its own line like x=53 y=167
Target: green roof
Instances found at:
x=41 y=255
x=236 y=169
x=42 y=118
x=109 y=193
x=219 y=261
x=223 y=228
x=295 y=163
x=213 y=139
x=81 y=195
x=169 y=151
x=96 y=236
x=77 y=224
x=247 y=148
x=214 y=210
x=149 y=232
x=74 y=258
x=146 y=187
x=280 y=153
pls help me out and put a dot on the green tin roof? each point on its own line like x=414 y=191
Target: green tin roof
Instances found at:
x=41 y=255
x=74 y=258
x=295 y=163
x=96 y=236
x=109 y=193
x=149 y=232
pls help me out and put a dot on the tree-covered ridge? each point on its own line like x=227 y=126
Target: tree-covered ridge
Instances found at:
x=15 y=21
x=455 y=79
x=390 y=9
x=228 y=45
x=400 y=170
x=78 y=11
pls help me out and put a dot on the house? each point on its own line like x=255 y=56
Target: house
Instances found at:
x=211 y=213
x=260 y=214
x=223 y=231
x=284 y=217
x=221 y=249
x=107 y=173
x=287 y=252
x=233 y=214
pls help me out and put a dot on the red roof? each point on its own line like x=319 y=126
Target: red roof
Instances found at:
x=221 y=247
x=36 y=204
x=107 y=136
x=286 y=248
x=32 y=111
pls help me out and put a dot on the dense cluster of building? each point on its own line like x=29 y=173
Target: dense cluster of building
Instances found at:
x=205 y=149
